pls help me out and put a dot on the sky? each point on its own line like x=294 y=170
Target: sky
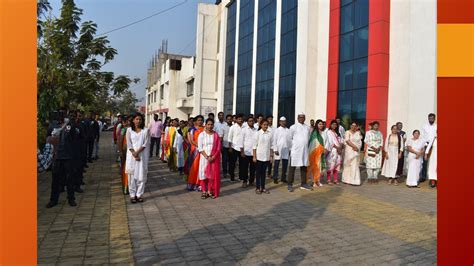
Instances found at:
x=137 y=44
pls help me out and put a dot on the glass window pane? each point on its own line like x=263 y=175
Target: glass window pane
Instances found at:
x=345 y=76
x=347 y=43
x=360 y=73
x=361 y=41
x=344 y=103
x=361 y=13
x=347 y=22
x=359 y=100
x=345 y=2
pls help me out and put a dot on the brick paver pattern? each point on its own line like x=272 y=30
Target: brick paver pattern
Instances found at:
x=336 y=225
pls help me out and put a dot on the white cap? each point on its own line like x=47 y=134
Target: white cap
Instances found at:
x=301 y=113
x=282 y=118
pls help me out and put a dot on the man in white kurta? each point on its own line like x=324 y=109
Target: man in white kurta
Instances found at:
x=428 y=133
x=433 y=162
x=299 y=136
x=281 y=148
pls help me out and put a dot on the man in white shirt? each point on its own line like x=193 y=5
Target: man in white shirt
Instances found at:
x=270 y=128
x=235 y=139
x=428 y=133
x=246 y=164
x=281 y=147
x=299 y=136
x=222 y=128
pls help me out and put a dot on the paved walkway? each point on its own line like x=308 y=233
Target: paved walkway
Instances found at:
x=371 y=224
x=94 y=232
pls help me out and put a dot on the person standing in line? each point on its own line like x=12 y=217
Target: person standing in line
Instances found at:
x=77 y=159
x=92 y=135
x=428 y=134
x=178 y=147
x=432 y=154
x=312 y=125
x=209 y=146
x=164 y=132
x=187 y=147
x=340 y=128
x=246 y=163
x=225 y=146
x=115 y=136
x=122 y=144
x=270 y=129
x=373 y=152
x=281 y=148
x=63 y=166
x=101 y=127
x=193 y=182
x=210 y=116
x=416 y=151
x=258 y=121
x=155 y=134
x=299 y=136
x=393 y=152
x=317 y=153
x=401 y=161
x=262 y=155
x=351 y=171
x=334 y=156
x=235 y=139
x=219 y=127
x=138 y=139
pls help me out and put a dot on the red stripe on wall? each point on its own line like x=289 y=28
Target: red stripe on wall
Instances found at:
x=378 y=63
x=455 y=11
x=334 y=31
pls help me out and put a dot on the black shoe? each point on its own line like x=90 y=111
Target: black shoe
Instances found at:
x=78 y=190
x=284 y=181
x=72 y=203
x=275 y=181
x=51 y=204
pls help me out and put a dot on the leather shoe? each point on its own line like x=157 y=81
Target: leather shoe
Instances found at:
x=72 y=203
x=51 y=204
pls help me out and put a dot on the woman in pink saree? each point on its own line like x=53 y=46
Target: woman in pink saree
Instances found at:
x=209 y=146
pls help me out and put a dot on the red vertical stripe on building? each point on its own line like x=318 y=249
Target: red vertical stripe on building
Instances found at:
x=334 y=32
x=378 y=63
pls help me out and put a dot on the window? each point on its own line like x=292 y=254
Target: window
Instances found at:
x=352 y=91
x=162 y=92
x=230 y=59
x=175 y=64
x=244 y=66
x=190 y=88
x=149 y=98
x=265 y=57
x=286 y=98
x=154 y=96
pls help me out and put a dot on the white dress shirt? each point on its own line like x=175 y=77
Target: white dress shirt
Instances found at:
x=263 y=145
x=429 y=132
x=248 y=140
x=281 y=143
x=235 y=136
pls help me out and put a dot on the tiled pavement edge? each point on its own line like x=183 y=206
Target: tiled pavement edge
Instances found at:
x=94 y=232
x=371 y=224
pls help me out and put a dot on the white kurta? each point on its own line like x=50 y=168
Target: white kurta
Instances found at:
x=299 y=135
x=390 y=166
x=281 y=139
x=351 y=171
x=205 y=142
x=178 y=146
x=433 y=160
x=137 y=169
x=414 y=165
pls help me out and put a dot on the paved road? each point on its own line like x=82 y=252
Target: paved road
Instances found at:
x=371 y=224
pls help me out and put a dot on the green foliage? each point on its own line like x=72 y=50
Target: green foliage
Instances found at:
x=69 y=66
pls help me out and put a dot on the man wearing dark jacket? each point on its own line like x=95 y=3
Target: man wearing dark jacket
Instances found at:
x=92 y=134
x=63 y=166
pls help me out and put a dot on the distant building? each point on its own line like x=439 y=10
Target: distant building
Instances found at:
x=358 y=59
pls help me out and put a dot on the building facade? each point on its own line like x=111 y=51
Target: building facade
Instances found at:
x=360 y=60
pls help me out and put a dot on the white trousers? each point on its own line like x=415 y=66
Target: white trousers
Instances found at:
x=135 y=187
x=372 y=173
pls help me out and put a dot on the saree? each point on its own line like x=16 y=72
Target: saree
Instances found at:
x=193 y=161
x=170 y=154
x=317 y=161
x=334 y=159
x=122 y=162
x=213 y=168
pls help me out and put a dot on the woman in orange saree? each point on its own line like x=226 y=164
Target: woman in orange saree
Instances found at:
x=193 y=156
x=317 y=151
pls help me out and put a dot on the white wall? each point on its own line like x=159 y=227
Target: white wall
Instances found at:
x=412 y=74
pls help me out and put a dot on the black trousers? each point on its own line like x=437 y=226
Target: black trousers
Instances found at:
x=64 y=173
x=90 y=148
x=291 y=175
x=400 y=165
x=246 y=168
x=152 y=144
x=225 y=160
x=233 y=154
x=261 y=169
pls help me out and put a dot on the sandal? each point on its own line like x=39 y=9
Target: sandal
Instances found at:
x=140 y=199
x=212 y=196
x=258 y=192
x=204 y=196
x=133 y=200
x=265 y=191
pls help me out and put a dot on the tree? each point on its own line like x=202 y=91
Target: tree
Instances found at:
x=70 y=59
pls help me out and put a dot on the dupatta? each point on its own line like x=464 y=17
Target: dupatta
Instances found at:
x=317 y=161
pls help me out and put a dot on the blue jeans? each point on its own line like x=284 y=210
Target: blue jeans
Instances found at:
x=284 y=167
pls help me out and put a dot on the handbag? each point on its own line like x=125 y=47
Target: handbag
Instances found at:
x=371 y=153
